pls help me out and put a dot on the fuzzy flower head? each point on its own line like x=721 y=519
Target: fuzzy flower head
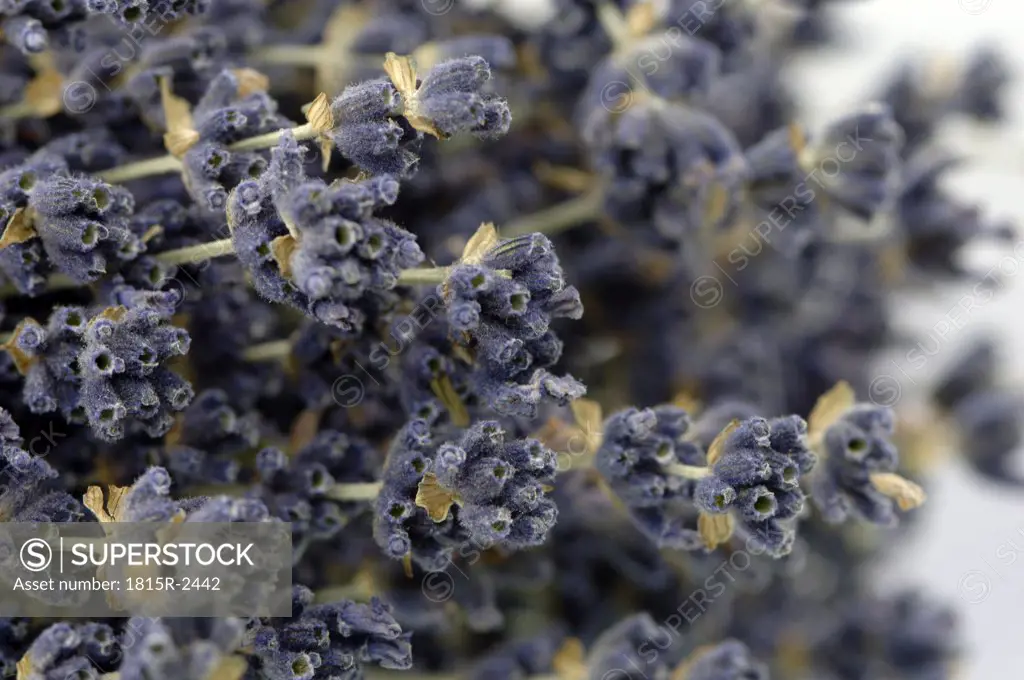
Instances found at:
x=855 y=162
x=301 y=490
x=316 y=246
x=857 y=475
x=400 y=527
x=729 y=660
x=501 y=300
x=25 y=494
x=935 y=224
x=77 y=226
x=379 y=124
x=668 y=165
x=105 y=367
x=903 y=634
x=329 y=640
x=83 y=225
x=66 y=650
x=636 y=446
x=183 y=647
x=482 y=488
x=755 y=468
x=616 y=652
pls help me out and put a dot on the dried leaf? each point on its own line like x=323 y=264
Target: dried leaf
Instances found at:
x=113 y=313
x=402 y=72
x=22 y=361
x=109 y=510
x=423 y=124
x=25 y=668
x=444 y=390
x=326 y=149
x=250 y=81
x=152 y=233
x=717 y=205
x=282 y=248
x=463 y=354
x=590 y=420
x=687 y=401
x=718 y=443
x=906 y=494
x=555 y=434
x=641 y=18
x=569 y=662
x=172 y=529
x=792 y=654
x=180 y=141
x=18 y=230
x=230 y=668
x=45 y=93
x=177 y=431
x=829 y=408
x=434 y=498
x=407 y=565
x=304 y=429
x=682 y=671
x=715 y=529
x=344 y=25
x=181 y=134
x=479 y=244
x=797 y=138
x=319 y=114
x=427 y=55
x=894 y=262
x=923 y=438
x=572 y=180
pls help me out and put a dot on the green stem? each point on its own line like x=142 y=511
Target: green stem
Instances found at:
x=205 y=251
x=147 y=168
x=379 y=674
x=313 y=56
x=687 y=471
x=557 y=218
x=275 y=350
x=55 y=282
x=363 y=491
x=423 y=276
x=167 y=164
x=614 y=24
x=290 y=55
x=354 y=591
x=198 y=253
x=357 y=491
x=17 y=111
x=301 y=133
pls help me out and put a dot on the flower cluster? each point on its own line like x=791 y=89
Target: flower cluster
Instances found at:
x=757 y=475
x=481 y=489
x=104 y=367
x=636 y=447
x=319 y=247
x=504 y=307
x=27 y=494
x=304 y=490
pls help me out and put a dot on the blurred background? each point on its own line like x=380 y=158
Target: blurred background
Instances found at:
x=967 y=546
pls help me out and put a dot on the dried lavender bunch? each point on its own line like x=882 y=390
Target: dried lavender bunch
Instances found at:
x=238 y=330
